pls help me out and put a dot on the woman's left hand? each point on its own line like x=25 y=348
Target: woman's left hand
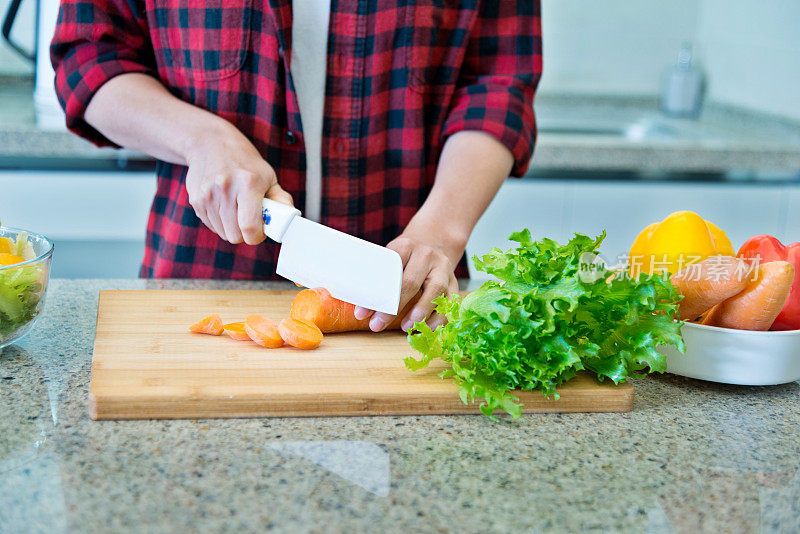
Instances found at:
x=471 y=168
x=429 y=262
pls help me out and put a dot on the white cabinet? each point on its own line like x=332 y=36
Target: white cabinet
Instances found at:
x=536 y=205
x=97 y=220
x=559 y=208
x=78 y=205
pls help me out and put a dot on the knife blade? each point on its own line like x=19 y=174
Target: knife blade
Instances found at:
x=351 y=269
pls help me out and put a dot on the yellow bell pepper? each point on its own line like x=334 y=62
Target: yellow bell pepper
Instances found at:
x=5 y=245
x=682 y=239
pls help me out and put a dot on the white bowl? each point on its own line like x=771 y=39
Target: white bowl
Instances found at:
x=732 y=356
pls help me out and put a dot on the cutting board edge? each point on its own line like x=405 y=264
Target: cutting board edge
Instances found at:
x=143 y=414
x=247 y=406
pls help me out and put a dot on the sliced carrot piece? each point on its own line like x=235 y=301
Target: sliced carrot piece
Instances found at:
x=757 y=306
x=211 y=324
x=263 y=330
x=236 y=331
x=706 y=284
x=300 y=333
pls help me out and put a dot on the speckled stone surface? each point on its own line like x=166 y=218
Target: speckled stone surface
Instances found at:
x=692 y=456
x=723 y=139
x=21 y=138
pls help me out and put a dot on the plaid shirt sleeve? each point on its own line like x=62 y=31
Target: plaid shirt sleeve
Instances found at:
x=94 y=41
x=502 y=67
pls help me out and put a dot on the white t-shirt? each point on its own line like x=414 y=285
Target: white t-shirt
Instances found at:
x=309 y=57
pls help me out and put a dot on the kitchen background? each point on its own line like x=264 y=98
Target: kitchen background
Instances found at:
x=607 y=157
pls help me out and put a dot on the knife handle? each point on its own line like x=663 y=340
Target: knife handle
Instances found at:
x=277 y=218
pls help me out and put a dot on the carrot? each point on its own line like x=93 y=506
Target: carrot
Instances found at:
x=9 y=259
x=333 y=315
x=211 y=324
x=329 y=314
x=709 y=282
x=263 y=331
x=300 y=333
x=236 y=331
x=757 y=306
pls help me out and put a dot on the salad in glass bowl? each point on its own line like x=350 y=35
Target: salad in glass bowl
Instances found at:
x=24 y=272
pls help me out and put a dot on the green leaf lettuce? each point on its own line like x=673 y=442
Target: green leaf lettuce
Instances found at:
x=543 y=320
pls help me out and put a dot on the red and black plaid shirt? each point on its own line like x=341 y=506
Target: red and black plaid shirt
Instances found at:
x=402 y=76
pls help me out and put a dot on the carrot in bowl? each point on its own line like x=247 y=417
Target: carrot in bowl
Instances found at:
x=211 y=324
x=10 y=259
x=263 y=331
x=300 y=333
x=709 y=282
x=236 y=331
x=759 y=303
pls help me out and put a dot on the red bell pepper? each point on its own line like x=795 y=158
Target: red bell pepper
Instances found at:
x=766 y=248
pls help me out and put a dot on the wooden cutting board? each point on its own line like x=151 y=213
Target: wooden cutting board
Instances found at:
x=147 y=365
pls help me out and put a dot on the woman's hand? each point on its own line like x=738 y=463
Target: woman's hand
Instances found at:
x=226 y=181
x=471 y=168
x=429 y=260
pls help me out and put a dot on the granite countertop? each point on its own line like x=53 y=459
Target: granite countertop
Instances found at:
x=576 y=133
x=630 y=133
x=21 y=140
x=692 y=456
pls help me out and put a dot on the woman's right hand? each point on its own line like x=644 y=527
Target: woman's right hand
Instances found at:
x=227 y=177
x=227 y=180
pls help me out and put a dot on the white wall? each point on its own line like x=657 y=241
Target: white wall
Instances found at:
x=750 y=48
x=24 y=32
x=752 y=53
x=612 y=46
x=609 y=46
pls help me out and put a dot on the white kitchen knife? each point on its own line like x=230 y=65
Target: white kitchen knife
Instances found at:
x=313 y=255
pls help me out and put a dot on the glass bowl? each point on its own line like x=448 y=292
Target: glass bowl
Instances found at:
x=23 y=286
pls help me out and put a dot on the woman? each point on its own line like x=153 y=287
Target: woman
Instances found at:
x=422 y=111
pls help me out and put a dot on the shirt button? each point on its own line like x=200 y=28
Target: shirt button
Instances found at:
x=291 y=138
